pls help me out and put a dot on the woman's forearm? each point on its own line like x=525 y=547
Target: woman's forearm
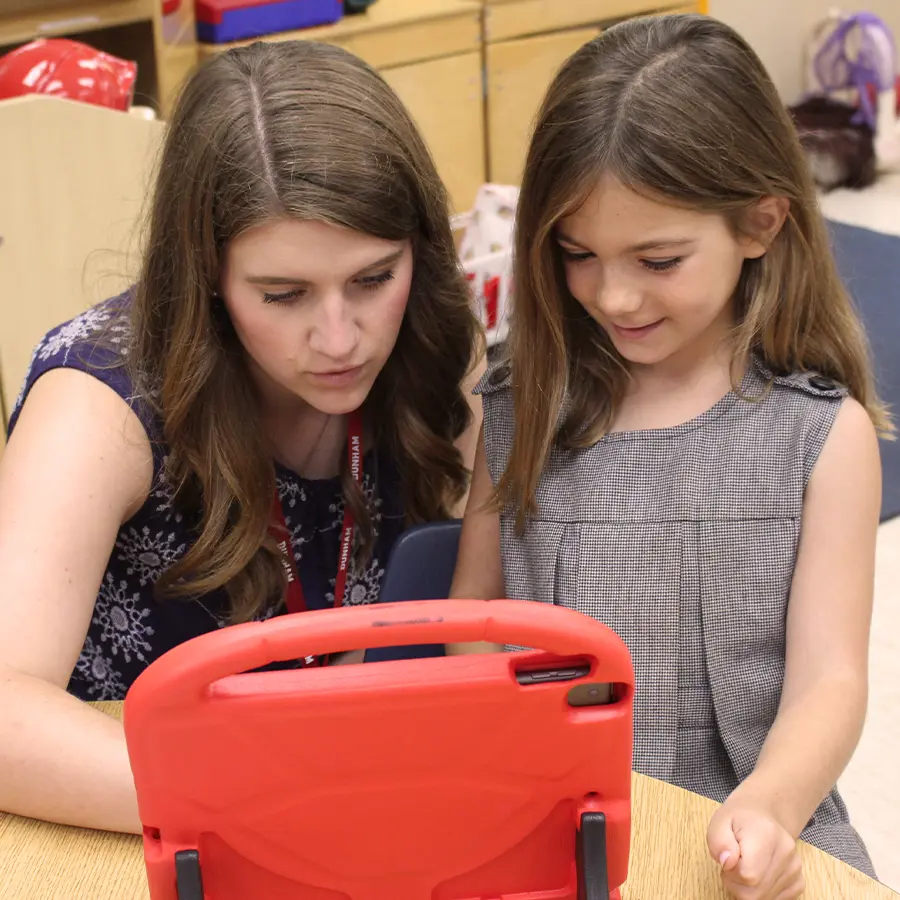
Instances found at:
x=61 y=760
x=807 y=749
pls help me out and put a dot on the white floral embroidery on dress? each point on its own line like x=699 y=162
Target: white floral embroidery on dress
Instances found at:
x=81 y=327
x=97 y=672
x=120 y=617
x=21 y=397
x=361 y=589
x=164 y=495
x=147 y=555
x=373 y=501
x=298 y=539
x=290 y=492
x=87 y=324
x=117 y=334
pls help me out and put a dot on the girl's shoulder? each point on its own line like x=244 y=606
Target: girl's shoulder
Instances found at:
x=808 y=383
x=497 y=376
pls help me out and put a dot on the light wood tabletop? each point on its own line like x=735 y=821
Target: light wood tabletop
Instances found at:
x=669 y=860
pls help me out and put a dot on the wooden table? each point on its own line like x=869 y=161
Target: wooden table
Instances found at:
x=669 y=860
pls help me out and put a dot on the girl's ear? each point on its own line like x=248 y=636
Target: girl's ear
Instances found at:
x=761 y=225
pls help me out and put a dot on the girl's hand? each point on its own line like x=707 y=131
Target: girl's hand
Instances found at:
x=759 y=858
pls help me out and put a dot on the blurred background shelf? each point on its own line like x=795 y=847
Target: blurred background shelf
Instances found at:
x=49 y=19
x=163 y=46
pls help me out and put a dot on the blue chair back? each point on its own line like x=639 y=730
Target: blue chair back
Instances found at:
x=420 y=567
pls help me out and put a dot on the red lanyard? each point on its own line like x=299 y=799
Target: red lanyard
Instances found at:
x=294 y=598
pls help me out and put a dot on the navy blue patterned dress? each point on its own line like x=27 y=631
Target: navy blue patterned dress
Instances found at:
x=130 y=627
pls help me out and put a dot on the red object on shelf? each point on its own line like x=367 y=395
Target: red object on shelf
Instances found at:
x=170 y=6
x=491 y=290
x=68 y=69
x=446 y=778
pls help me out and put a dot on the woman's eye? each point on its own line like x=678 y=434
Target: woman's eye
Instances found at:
x=372 y=282
x=285 y=297
x=661 y=265
x=575 y=255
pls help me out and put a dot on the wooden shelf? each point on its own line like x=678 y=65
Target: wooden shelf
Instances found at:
x=393 y=32
x=508 y=19
x=73 y=18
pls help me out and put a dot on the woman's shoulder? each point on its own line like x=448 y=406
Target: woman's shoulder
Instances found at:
x=94 y=342
x=100 y=333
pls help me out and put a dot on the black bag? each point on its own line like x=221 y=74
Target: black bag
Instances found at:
x=840 y=152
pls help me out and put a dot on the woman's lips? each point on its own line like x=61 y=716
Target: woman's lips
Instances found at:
x=338 y=377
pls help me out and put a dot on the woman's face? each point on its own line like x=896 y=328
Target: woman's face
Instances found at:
x=317 y=307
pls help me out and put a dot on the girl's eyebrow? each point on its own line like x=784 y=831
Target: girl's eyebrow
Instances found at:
x=659 y=244
x=563 y=238
x=655 y=244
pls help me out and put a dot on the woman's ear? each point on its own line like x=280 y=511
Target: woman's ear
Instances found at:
x=761 y=225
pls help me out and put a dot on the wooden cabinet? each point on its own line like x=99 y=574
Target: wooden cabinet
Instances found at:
x=445 y=97
x=430 y=52
x=74 y=181
x=518 y=73
x=25 y=20
x=526 y=42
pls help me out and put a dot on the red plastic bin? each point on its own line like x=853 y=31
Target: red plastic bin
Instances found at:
x=222 y=21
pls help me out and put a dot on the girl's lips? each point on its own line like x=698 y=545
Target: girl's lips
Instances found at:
x=635 y=334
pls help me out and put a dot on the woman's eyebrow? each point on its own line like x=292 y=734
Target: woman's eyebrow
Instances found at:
x=275 y=279
x=384 y=261
x=299 y=282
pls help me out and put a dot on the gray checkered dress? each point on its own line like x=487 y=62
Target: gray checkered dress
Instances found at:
x=683 y=541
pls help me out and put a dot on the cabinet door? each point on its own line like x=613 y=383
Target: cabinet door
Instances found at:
x=72 y=189
x=519 y=73
x=446 y=99
x=508 y=19
x=175 y=43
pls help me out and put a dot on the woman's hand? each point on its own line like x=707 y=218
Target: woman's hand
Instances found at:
x=759 y=858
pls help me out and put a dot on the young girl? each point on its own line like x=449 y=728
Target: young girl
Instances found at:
x=682 y=440
x=285 y=376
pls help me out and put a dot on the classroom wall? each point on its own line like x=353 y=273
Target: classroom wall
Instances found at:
x=779 y=29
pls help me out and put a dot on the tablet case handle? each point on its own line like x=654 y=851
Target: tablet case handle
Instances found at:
x=189 y=669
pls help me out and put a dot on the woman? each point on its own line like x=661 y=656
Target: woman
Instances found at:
x=285 y=375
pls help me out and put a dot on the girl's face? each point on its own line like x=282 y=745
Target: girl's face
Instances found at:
x=318 y=309
x=658 y=279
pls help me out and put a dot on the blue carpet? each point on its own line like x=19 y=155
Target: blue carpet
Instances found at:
x=869 y=263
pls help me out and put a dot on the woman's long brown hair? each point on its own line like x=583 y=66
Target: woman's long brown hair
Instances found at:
x=308 y=131
x=680 y=109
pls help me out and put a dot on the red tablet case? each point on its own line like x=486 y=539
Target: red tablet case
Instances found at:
x=434 y=779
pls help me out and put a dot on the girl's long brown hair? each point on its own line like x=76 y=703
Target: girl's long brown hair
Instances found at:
x=678 y=108
x=304 y=130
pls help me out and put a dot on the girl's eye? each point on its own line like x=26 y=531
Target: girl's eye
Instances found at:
x=373 y=282
x=286 y=297
x=575 y=255
x=661 y=265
